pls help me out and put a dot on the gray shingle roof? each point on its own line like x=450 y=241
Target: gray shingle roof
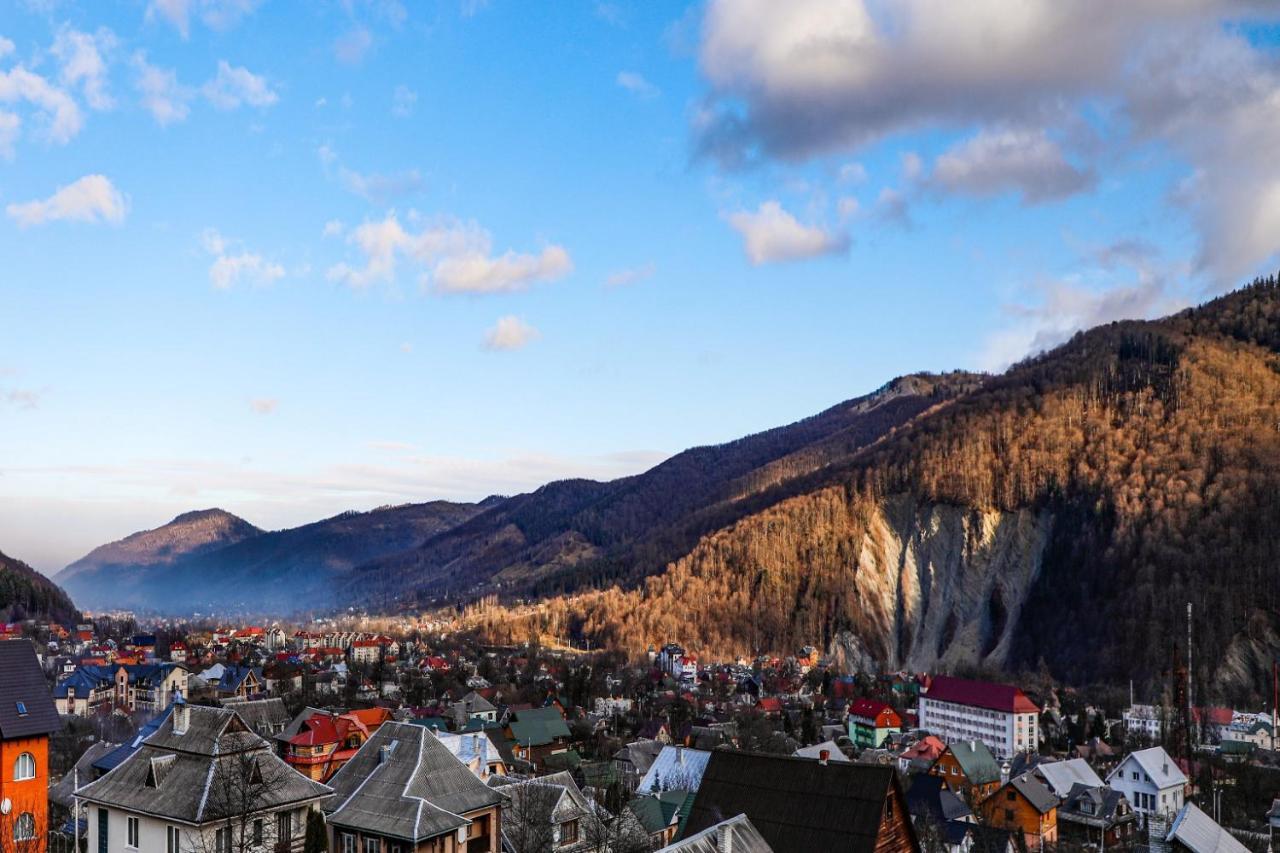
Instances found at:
x=26 y=708
x=1061 y=776
x=745 y=838
x=403 y=783
x=1036 y=792
x=1196 y=831
x=171 y=775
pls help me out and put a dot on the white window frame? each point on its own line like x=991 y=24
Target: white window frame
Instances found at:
x=172 y=839
x=132 y=832
x=24 y=767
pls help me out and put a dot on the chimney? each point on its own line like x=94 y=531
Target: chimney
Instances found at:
x=823 y=755
x=724 y=838
x=1004 y=772
x=181 y=714
x=973 y=745
x=680 y=755
x=384 y=753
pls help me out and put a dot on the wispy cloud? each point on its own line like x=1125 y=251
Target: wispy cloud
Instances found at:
x=234 y=86
x=162 y=95
x=636 y=84
x=631 y=275
x=264 y=405
x=403 y=100
x=233 y=264
x=351 y=47
x=770 y=235
x=510 y=333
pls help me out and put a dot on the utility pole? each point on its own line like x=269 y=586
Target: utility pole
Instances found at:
x=1191 y=705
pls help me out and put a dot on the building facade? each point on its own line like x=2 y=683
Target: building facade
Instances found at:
x=999 y=715
x=27 y=718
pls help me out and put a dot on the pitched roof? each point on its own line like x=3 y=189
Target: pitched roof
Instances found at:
x=264 y=716
x=26 y=708
x=1196 y=831
x=405 y=784
x=676 y=767
x=795 y=803
x=929 y=797
x=980 y=694
x=1157 y=764
x=1035 y=792
x=169 y=774
x=976 y=760
x=832 y=749
x=872 y=708
x=743 y=838
x=1061 y=776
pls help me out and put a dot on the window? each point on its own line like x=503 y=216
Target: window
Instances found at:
x=1135 y=775
x=24 y=828
x=173 y=842
x=1012 y=795
x=569 y=832
x=284 y=826
x=24 y=768
x=348 y=843
x=131 y=831
x=22 y=708
x=222 y=841
x=257 y=831
x=102 y=831
x=372 y=845
x=1008 y=814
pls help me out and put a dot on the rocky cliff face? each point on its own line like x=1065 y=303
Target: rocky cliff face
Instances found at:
x=944 y=585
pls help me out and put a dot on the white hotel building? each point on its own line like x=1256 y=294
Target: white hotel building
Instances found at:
x=999 y=715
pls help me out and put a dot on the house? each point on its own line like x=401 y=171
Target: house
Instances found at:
x=870 y=722
x=200 y=780
x=939 y=815
x=919 y=756
x=143 y=688
x=969 y=769
x=999 y=715
x=799 y=805
x=1024 y=804
x=538 y=733
x=1151 y=781
x=1193 y=831
x=473 y=706
x=828 y=750
x=1096 y=815
x=476 y=750
x=267 y=717
x=404 y=790
x=659 y=815
x=676 y=768
x=547 y=813
x=242 y=681
x=325 y=741
x=27 y=718
x=634 y=760
x=736 y=834
x=1144 y=721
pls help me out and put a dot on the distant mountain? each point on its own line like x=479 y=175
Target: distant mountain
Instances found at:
x=212 y=560
x=573 y=534
x=27 y=594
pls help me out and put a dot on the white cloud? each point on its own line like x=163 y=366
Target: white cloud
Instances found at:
x=233 y=264
x=1081 y=82
x=456 y=257
x=478 y=272
x=510 y=333
x=636 y=84
x=771 y=234
x=403 y=101
x=81 y=57
x=852 y=173
x=6 y=47
x=216 y=14
x=351 y=47
x=56 y=109
x=848 y=207
x=632 y=275
x=375 y=187
x=235 y=86
x=892 y=207
x=1013 y=160
x=162 y=95
x=333 y=228
x=90 y=199
x=264 y=405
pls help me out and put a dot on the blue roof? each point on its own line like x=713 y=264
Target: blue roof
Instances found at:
x=93 y=676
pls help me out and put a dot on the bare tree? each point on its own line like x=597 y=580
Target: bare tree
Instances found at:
x=23 y=831
x=614 y=828
x=528 y=824
x=243 y=788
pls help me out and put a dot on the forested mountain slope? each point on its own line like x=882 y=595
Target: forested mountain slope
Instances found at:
x=27 y=594
x=1063 y=512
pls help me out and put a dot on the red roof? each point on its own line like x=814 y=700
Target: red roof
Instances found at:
x=981 y=694
x=1215 y=716
x=872 y=709
x=770 y=704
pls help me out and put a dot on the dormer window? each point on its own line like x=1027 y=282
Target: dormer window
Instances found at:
x=22 y=708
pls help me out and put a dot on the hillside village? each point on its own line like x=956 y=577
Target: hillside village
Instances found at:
x=335 y=737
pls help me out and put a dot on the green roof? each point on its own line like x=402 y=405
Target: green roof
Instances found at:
x=563 y=760
x=976 y=760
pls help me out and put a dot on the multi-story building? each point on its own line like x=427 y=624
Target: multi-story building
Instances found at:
x=870 y=722
x=999 y=715
x=27 y=718
x=325 y=741
x=146 y=688
x=1145 y=721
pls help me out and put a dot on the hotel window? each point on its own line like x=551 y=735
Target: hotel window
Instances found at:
x=131 y=827
x=173 y=842
x=24 y=768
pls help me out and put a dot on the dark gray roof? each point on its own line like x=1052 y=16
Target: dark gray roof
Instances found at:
x=26 y=707
x=171 y=774
x=1103 y=803
x=403 y=783
x=264 y=716
x=744 y=838
x=1036 y=792
x=63 y=793
x=797 y=804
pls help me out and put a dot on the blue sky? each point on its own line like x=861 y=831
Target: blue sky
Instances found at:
x=290 y=259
